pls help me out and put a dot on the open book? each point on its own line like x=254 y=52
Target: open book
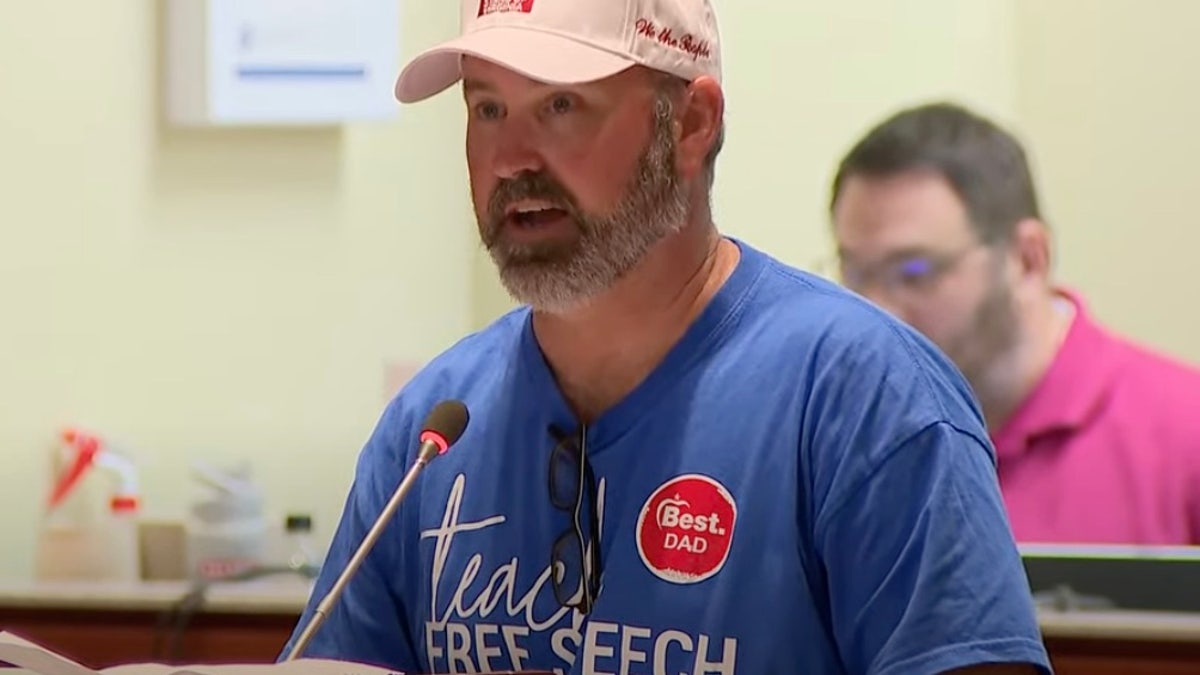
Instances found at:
x=33 y=658
x=37 y=659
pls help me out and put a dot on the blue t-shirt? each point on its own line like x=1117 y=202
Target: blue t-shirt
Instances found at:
x=803 y=485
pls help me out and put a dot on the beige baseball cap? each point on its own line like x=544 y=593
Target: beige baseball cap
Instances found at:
x=571 y=42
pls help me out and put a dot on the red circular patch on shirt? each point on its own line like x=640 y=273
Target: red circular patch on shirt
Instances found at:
x=685 y=528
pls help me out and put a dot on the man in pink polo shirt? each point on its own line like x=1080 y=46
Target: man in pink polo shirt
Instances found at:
x=936 y=219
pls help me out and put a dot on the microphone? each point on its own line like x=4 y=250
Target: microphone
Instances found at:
x=442 y=429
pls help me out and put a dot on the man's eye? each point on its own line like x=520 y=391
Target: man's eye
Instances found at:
x=561 y=104
x=487 y=110
x=914 y=269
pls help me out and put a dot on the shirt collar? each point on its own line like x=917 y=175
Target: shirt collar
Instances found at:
x=1071 y=390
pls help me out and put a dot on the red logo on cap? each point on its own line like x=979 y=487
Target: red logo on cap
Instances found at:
x=492 y=6
x=664 y=35
x=685 y=528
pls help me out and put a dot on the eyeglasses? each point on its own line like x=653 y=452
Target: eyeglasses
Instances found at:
x=905 y=273
x=575 y=556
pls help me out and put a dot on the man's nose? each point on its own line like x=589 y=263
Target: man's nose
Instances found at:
x=516 y=151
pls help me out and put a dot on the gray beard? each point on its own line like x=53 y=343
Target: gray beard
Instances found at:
x=557 y=276
x=990 y=341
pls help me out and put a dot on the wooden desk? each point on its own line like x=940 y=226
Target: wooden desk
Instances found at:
x=106 y=625
x=1122 y=642
x=101 y=626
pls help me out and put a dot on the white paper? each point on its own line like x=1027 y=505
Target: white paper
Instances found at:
x=37 y=659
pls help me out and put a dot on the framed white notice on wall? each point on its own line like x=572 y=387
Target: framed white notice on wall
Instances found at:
x=280 y=62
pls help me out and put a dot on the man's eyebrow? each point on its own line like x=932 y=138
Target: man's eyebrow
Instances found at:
x=475 y=86
x=893 y=256
x=910 y=251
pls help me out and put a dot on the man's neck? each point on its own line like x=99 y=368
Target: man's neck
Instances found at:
x=601 y=351
x=1012 y=378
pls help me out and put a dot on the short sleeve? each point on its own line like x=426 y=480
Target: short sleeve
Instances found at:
x=368 y=624
x=922 y=570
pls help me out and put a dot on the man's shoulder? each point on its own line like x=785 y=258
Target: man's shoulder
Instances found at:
x=1156 y=391
x=1150 y=361
x=1146 y=373
x=800 y=303
x=474 y=355
x=473 y=364
x=813 y=318
x=853 y=360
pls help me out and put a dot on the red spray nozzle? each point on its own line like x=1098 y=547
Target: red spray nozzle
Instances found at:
x=86 y=448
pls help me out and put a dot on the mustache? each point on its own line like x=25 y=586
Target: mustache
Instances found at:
x=529 y=185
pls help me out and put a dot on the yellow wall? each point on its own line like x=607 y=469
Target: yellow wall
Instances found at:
x=231 y=294
x=1110 y=105
x=210 y=293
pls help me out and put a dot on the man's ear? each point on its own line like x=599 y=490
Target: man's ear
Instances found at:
x=703 y=109
x=1031 y=249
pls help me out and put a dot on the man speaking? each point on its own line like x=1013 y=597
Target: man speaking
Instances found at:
x=683 y=456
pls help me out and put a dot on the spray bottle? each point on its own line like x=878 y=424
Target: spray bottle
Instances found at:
x=90 y=528
x=226 y=528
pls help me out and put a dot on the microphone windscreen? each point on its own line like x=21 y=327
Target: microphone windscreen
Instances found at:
x=448 y=419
